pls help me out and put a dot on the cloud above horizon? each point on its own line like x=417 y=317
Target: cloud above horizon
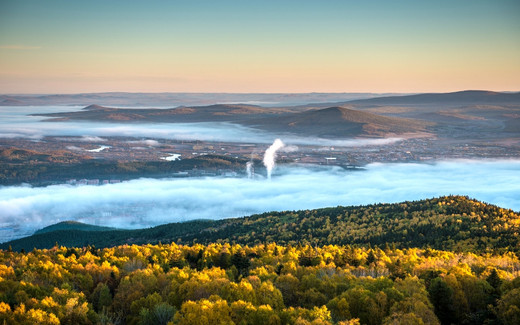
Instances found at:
x=149 y=202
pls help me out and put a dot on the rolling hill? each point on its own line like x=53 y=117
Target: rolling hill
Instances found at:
x=72 y=225
x=459 y=98
x=329 y=122
x=135 y=99
x=465 y=115
x=457 y=114
x=210 y=113
x=340 y=122
x=449 y=223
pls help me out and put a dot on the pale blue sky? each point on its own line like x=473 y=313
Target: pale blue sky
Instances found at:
x=259 y=46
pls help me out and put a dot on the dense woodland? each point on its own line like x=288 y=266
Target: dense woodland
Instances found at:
x=262 y=284
x=448 y=260
x=19 y=166
x=454 y=223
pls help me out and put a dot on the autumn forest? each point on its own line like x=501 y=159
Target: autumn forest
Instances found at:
x=476 y=281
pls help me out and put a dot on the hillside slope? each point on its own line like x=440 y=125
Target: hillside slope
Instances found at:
x=460 y=115
x=450 y=223
x=459 y=98
x=340 y=122
x=328 y=122
x=210 y=113
x=467 y=115
x=72 y=225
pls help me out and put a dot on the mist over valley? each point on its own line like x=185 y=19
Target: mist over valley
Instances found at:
x=144 y=203
x=141 y=167
x=260 y=162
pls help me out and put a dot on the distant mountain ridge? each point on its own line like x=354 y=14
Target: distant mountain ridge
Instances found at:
x=341 y=122
x=183 y=114
x=169 y=99
x=466 y=97
x=467 y=114
x=449 y=223
x=329 y=122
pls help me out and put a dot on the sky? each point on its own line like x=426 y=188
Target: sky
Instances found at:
x=258 y=46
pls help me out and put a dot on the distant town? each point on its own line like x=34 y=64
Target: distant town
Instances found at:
x=122 y=149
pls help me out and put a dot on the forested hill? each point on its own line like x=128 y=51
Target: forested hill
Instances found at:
x=448 y=223
x=72 y=225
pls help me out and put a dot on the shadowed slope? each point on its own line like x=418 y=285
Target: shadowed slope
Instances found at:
x=459 y=98
x=449 y=223
x=340 y=122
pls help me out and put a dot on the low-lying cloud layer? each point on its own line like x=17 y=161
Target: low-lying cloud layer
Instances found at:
x=149 y=202
x=17 y=124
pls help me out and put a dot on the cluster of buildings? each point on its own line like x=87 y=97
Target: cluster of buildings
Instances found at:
x=92 y=181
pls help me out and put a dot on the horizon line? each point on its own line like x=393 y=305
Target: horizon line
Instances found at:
x=255 y=93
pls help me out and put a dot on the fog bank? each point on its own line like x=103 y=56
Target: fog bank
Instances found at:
x=15 y=122
x=149 y=202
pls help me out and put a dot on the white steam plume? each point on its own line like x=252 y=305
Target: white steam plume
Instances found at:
x=249 y=169
x=270 y=156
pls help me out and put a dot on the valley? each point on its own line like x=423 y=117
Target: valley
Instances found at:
x=260 y=162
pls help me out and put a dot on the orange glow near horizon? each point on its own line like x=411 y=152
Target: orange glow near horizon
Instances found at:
x=273 y=47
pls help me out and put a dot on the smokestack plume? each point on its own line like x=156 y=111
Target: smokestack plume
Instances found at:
x=249 y=169
x=270 y=156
